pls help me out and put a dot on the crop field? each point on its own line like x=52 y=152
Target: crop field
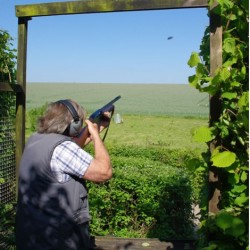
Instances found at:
x=145 y=99
x=153 y=115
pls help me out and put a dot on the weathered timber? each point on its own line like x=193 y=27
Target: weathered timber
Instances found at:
x=7 y=87
x=116 y=243
x=21 y=96
x=81 y=7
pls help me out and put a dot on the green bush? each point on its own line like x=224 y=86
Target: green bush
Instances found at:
x=145 y=198
x=171 y=157
x=33 y=116
x=7 y=236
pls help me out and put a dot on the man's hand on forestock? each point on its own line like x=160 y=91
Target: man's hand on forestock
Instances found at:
x=105 y=121
x=85 y=137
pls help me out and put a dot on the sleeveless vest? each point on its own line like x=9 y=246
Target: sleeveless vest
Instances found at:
x=48 y=212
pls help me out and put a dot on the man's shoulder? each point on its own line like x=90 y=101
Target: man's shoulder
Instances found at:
x=51 y=138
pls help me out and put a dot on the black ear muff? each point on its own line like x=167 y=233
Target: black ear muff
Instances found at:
x=76 y=124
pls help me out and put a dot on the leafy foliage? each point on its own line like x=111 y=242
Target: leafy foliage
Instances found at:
x=7 y=58
x=7 y=114
x=229 y=228
x=145 y=198
x=7 y=237
x=7 y=71
x=33 y=115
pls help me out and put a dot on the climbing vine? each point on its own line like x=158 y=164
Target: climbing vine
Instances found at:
x=7 y=115
x=227 y=229
x=8 y=59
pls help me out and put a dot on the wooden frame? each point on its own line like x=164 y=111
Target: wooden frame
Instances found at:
x=101 y=6
x=26 y=12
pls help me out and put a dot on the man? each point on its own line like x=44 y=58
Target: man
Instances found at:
x=52 y=209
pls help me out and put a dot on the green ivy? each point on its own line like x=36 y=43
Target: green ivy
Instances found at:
x=228 y=229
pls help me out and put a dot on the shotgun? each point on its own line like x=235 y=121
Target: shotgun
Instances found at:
x=97 y=116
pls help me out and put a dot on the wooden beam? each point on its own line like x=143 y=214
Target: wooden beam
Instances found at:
x=111 y=243
x=7 y=87
x=80 y=7
x=21 y=96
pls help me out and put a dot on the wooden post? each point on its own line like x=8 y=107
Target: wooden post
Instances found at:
x=215 y=106
x=21 y=96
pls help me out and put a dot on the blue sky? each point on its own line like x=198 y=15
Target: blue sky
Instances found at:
x=122 y=47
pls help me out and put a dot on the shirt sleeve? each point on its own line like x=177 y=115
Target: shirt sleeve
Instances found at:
x=69 y=159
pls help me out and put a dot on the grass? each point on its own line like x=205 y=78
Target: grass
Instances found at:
x=156 y=131
x=152 y=131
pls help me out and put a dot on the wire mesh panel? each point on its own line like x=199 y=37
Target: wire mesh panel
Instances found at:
x=7 y=160
x=7 y=169
x=7 y=148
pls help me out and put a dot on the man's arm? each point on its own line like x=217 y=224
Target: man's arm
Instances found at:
x=83 y=138
x=100 y=168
